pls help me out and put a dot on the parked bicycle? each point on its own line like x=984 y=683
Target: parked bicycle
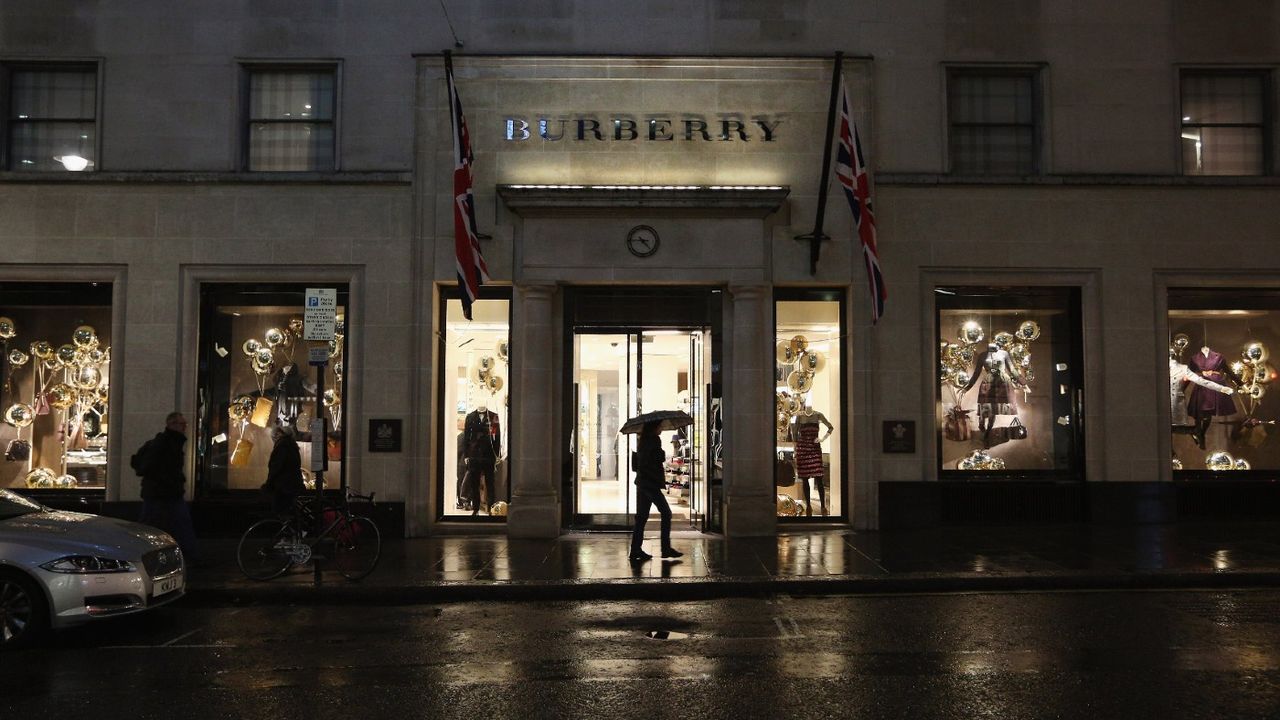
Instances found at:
x=270 y=547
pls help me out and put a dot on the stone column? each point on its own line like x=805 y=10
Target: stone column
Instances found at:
x=750 y=505
x=535 y=506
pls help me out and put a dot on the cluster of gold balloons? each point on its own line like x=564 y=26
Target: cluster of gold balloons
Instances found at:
x=1253 y=370
x=956 y=366
x=262 y=353
x=80 y=361
x=805 y=363
x=484 y=374
x=44 y=478
x=980 y=460
x=789 y=506
x=1220 y=462
x=241 y=408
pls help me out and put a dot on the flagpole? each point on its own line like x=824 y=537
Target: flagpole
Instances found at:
x=816 y=237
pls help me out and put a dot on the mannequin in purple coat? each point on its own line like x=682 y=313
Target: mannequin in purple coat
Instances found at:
x=1204 y=404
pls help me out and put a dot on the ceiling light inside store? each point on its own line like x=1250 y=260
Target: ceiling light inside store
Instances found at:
x=74 y=163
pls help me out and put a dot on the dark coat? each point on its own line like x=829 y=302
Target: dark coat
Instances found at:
x=162 y=466
x=482 y=437
x=284 y=468
x=647 y=462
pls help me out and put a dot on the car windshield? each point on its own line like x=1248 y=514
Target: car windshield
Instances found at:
x=13 y=505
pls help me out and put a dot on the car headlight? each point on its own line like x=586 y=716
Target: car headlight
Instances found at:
x=83 y=564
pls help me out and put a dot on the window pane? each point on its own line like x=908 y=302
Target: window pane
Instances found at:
x=1220 y=98
x=263 y=381
x=807 y=375
x=993 y=150
x=55 y=422
x=1221 y=381
x=54 y=94
x=290 y=146
x=291 y=96
x=477 y=380
x=36 y=144
x=992 y=99
x=1222 y=151
x=1007 y=381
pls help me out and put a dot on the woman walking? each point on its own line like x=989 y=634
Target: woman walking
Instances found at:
x=648 y=459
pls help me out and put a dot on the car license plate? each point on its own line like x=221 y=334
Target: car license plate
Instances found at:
x=166 y=586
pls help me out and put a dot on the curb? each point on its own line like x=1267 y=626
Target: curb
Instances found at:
x=339 y=592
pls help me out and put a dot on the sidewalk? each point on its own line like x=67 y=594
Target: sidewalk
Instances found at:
x=797 y=562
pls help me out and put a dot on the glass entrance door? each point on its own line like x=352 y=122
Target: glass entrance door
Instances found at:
x=617 y=375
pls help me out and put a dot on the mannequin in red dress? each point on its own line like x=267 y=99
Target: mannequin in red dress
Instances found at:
x=808 y=452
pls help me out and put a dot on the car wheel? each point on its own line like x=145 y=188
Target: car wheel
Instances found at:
x=22 y=610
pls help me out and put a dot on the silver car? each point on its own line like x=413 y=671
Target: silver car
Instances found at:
x=63 y=568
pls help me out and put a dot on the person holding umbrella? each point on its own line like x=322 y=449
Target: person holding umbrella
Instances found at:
x=647 y=460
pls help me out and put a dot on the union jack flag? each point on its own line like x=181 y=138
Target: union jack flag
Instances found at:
x=472 y=271
x=851 y=169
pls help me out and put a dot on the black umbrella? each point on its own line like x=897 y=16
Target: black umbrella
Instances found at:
x=668 y=419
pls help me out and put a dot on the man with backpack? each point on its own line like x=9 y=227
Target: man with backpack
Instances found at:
x=160 y=463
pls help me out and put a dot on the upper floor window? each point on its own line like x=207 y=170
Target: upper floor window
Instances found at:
x=52 y=117
x=1224 y=122
x=993 y=121
x=290 y=125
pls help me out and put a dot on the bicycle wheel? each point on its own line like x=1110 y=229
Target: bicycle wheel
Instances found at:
x=357 y=546
x=260 y=553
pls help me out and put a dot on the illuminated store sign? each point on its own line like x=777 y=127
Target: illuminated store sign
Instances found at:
x=655 y=129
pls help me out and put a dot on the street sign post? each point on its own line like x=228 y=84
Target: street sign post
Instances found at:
x=319 y=321
x=320 y=314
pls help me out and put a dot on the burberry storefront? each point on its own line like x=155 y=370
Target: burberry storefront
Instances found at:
x=642 y=216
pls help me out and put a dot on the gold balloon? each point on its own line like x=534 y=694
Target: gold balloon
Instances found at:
x=1177 y=464
x=7 y=329
x=40 y=478
x=1028 y=375
x=295 y=326
x=1029 y=330
x=250 y=347
x=330 y=398
x=966 y=356
x=1019 y=353
x=786 y=505
x=20 y=415
x=97 y=356
x=66 y=354
x=961 y=379
x=62 y=396
x=1003 y=340
x=87 y=377
x=103 y=393
x=264 y=356
x=337 y=369
x=1257 y=391
x=971 y=332
x=493 y=383
x=1241 y=464
x=335 y=348
x=84 y=337
x=812 y=361
x=965 y=463
x=503 y=349
x=784 y=354
x=1181 y=342
x=17 y=358
x=273 y=337
x=800 y=381
x=1261 y=372
x=1219 y=461
x=1244 y=371
x=42 y=349
x=799 y=344
x=1255 y=353
x=498 y=509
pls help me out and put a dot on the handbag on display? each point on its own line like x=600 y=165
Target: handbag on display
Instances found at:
x=42 y=404
x=956 y=427
x=1017 y=431
x=333 y=449
x=18 y=451
x=997 y=436
x=784 y=471
x=261 y=412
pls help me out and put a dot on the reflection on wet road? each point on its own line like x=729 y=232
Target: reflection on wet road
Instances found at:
x=1066 y=655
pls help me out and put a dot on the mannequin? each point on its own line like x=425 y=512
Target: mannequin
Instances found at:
x=1179 y=376
x=1203 y=403
x=808 y=452
x=482 y=446
x=995 y=395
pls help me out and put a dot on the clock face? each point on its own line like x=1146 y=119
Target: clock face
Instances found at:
x=642 y=241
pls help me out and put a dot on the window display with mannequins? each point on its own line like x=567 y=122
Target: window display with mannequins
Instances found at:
x=476 y=401
x=808 y=472
x=55 y=359
x=1009 y=363
x=1223 y=420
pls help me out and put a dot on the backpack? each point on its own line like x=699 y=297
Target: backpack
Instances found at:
x=141 y=459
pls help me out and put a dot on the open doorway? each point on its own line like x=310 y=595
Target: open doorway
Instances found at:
x=617 y=375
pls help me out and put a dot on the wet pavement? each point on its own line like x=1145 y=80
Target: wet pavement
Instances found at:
x=797 y=562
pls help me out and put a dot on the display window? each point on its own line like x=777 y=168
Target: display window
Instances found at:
x=808 y=348
x=255 y=377
x=1222 y=410
x=1009 y=393
x=475 y=408
x=55 y=340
